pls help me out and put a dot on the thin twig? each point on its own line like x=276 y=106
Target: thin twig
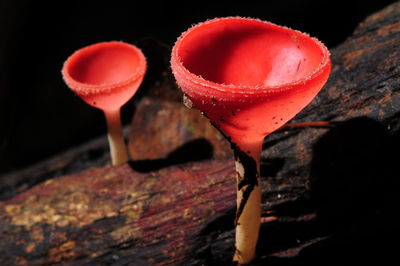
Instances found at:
x=322 y=124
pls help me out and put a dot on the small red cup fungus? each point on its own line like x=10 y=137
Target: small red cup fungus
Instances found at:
x=106 y=75
x=249 y=77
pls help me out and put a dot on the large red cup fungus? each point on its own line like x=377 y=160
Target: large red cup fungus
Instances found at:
x=249 y=77
x=106 y=75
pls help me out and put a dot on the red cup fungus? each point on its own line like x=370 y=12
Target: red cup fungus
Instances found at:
x=249 y=77
x=106 y=75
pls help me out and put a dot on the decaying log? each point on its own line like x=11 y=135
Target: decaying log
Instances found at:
x=114 y=215
x=329 y=189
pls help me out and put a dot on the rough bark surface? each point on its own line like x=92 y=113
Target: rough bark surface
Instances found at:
x=329 y=193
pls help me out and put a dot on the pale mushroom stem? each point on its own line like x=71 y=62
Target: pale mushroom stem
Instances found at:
x=248 y=213
x=116 y=139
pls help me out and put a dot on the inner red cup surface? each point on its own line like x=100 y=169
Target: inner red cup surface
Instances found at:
x=249 y=53
x=106 y=75
x=248 y=76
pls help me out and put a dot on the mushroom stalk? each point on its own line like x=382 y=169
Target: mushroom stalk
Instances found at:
x=249 y=78
x=106 y=75
x=116 y=139
x=248 y=213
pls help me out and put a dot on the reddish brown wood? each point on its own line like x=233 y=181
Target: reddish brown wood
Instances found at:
x=104 y=213
x=166 y=126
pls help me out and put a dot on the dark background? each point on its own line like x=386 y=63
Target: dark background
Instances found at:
x=40 y=116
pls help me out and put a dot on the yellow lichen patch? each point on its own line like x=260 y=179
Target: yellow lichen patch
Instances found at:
x=76 y=208
x=132 y=212
x=186 y=213
x=48 y=182
x=125 y=233
x=12 y=209
x=64 y=251
x=132 y=206
x=111 y=214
